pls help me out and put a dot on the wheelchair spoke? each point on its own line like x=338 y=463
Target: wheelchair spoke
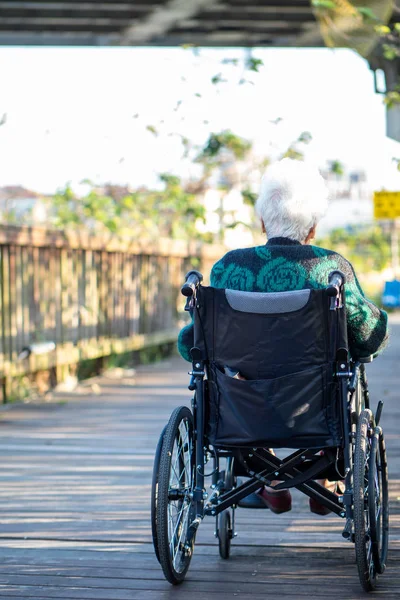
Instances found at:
x=182 y=532
x=178 y=529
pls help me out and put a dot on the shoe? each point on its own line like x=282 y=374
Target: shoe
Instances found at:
x=253 y=500
x=279 y=501
x=320 y=509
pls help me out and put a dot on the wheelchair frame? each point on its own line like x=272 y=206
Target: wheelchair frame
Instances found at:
x=362 y=438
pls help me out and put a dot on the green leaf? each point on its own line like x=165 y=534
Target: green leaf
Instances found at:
x=367 y=13
x=392 y=99
x=382 y=29
x=152 y=130
x=336 y=168
x=217 y=79
x=324 y=4
x=390 y=52
x=230 y=61
x=293 y=153
x=249 y=197
x=305 y=137
x=254 y=64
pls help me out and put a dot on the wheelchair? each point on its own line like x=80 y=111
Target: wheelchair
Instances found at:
x=300 y=391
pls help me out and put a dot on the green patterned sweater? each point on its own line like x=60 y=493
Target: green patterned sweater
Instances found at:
x=283 y=265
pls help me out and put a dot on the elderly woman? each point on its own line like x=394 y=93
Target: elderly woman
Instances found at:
x=292 y=200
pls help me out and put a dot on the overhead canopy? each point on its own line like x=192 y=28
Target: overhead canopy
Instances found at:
x=158 y=22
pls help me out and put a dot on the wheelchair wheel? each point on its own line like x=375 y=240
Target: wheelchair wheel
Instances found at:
x=225 y=521
x=378 y=501
x=224 y=534
x=154 y=493
x=174 y=504
x=367 y=570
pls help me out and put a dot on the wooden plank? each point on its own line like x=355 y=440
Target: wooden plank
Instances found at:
x=93 y=300
x=2 y=313
x=58 y=335
x=25 y=296
x=31 y=295
x=111 y=294
x=76 y=278
x=13 y=303
x=136 y=295
x=19 y=318
x=101 y=286
x=36 y=313
x=64 y=294
x=80 y=293
x=119 y=294
x=47 y=293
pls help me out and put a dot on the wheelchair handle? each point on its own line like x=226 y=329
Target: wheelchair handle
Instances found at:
x=336 y=280
x=192 y=280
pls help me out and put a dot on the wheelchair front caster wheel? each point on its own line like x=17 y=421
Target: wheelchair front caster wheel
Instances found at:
x=225 y=534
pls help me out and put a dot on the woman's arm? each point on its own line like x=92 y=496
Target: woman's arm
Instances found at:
x=186 y=341
x=367 y=325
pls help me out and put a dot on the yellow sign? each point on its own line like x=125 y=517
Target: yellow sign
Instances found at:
x=386 y=205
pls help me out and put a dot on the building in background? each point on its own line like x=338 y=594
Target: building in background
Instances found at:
x=19 y=206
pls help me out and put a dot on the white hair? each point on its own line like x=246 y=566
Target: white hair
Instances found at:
x=293 y=198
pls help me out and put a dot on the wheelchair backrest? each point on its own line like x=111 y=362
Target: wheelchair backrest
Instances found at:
x=264 y=335
x=284 y=346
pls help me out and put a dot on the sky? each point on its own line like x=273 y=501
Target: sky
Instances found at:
x=83 y=113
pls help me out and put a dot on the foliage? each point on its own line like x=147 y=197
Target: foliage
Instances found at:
x=293 y=151
x=254 y=64
x=225 y=140
x=345 y=23
x=249 y=197
x=324 y=4
x=169 y=212
x=366 y=247
x=390 y=39
x=392 y=98
x=224 y=160
x=336 y=168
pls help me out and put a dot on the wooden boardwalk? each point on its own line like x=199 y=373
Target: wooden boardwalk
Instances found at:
x=74 y=504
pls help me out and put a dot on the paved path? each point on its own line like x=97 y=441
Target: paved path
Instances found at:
x=74 y=504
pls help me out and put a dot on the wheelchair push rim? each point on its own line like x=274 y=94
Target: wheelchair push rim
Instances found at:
x=174 y=511
x=370 y=501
